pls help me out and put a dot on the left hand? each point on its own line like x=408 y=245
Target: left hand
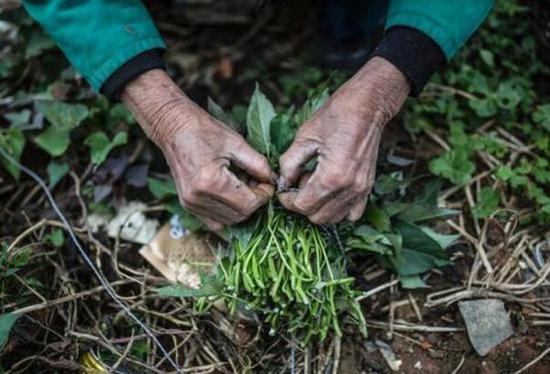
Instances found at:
x=345 y=135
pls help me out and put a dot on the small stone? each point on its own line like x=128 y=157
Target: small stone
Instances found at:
x=389 y=355
x=487 y=323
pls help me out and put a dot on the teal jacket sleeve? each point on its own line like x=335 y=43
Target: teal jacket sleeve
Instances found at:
x=97 y=36
x=448 y=22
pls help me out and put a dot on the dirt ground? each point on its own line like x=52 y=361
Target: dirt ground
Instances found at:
x=222 y=52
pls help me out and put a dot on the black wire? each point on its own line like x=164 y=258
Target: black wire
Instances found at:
x=87 y=259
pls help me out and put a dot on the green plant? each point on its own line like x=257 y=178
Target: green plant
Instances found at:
x=495 y=81
x=293 y=272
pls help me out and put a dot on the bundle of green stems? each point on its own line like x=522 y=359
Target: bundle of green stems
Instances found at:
x=293 y=273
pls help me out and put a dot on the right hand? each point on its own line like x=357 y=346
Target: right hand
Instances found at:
x=199 y=150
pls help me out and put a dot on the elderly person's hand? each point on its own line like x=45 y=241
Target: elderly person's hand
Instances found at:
x=344 y=134
x=199 y=150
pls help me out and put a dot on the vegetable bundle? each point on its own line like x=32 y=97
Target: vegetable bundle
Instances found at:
x=293 y=272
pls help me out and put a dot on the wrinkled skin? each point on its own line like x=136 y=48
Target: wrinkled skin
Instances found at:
x=345 y=135
x=199 y=150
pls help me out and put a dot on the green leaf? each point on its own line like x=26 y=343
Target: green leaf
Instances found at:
x=357 y=243
x=63 y=118
x=56 y=238
x=282 y=132
x=454 y=165
x=487 y=57
x=388 y=183
x=311 y=105
x=100 y=146
x=412 y=281
x=485 y=107
x=54 y=141
x=258 y=122
x=423 y=208
x=19 y=119
x=396 y=240
x=37 y=43
x=161 y=188
x=222 y=116
x=416 y=239
x=508 y=96
x=367 y=234
x=542 y=116
x=12 y=142
x=442 y=239
x=419 y=213
x=6 y=323
x=420 y=251
x=187 y=219
x=487 y=202
x=61 y=115
x=119 y=113
x=181 y=291
x=377 y=217
x=56 y=171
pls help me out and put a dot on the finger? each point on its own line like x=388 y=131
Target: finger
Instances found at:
x=314 y=195
x=239 y=197
x=306 y=201
x=294 y=158
x=210 y=223
x=214 y=211
x=304 y=179
x=334 y=210
x=357 y=210
x=253 y=163
x=309 y=198
x=263 y=192
x=287 y=199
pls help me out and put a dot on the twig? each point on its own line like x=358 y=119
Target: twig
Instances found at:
x=459 y=366
x=337 y=352
x=375 y=290
x=35 y=227
x=452 y=90
x=415 y=307
x=61 y=300
x=537 y=359
x=403 y=326
x=124 y=354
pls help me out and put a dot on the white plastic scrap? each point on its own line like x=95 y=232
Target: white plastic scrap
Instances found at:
x=132 y=225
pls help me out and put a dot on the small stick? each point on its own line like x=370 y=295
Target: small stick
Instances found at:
x=124 y=354
x=415 y=307
x=412 y=327
x=537 y=359
x=459 y=366
x=377 y=289
x=61 y=300
x=337 y=352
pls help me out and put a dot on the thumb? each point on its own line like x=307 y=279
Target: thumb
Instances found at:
x=292 y=160
x=256 y=165
x=263 y=192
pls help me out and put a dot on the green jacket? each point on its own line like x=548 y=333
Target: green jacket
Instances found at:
x=98 y=36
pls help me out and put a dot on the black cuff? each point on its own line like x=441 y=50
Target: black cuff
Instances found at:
x=148 y=60
x=412 y=52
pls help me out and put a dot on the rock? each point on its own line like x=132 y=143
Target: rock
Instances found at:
x=487 y=323
x=389 y=355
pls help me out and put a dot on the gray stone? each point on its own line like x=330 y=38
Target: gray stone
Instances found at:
x=487 y=323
